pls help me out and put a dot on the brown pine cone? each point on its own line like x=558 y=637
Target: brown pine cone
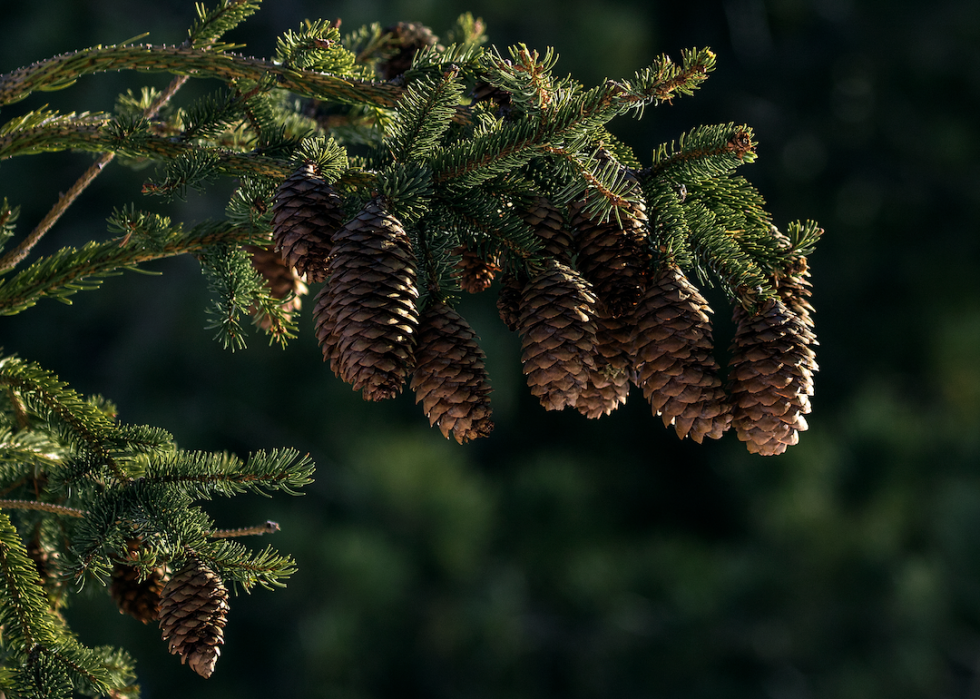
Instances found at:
x=473 y=273
x=193 y=614
x=609 y=382
x=794 y=291
x=406 y=39
x=613 y=257
x=138 y=598
x=366 y=318
x=484 y=91
x=281 y=279
x=673 y=358
x=548 y=223
x=509 y=301
x=770 y=377
x=305 y=215
x=450 y=378
x=558 y=335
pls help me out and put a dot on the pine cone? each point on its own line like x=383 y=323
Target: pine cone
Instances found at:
x=484 y=91
x=473 y=273
x=46 y=559
x=609 y=382
x=794 y=291
x=613 y=258
x=770 y=377
x=138 y=598
x=549 y=224
x=193 y=615
x=407 y=38
x=280 y=278
x=674 y=361
x=509 y=301
x=450 y=378
x=366 y=317
x=305 y=215
x=558 y=335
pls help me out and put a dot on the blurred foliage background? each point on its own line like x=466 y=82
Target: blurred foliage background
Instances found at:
x=564 y=557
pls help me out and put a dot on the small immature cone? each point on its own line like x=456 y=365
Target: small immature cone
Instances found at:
x=280 y=277
x=770 y=377
x=193 y=614
x=450 y=378
x=138 y=598
x=473 y=273
x=609 y=382
x=365 y=317
x=305 y=215
x=673 y=358
x=558 y=335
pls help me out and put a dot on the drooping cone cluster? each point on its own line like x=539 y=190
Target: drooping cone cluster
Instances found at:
x=305 y=215
x=280 y=277
x=770 y=377
x=366 y=318
x=450 y=378
x=609 y=381
x=673 y=355
x=193 y=614
x=473 y=273
x=613 y=257
x=140 y=598
x=558 y=335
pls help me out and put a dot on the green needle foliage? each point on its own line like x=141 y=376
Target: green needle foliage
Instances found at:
x=449 y=155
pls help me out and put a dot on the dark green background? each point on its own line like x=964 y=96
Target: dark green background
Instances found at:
x=564 y=557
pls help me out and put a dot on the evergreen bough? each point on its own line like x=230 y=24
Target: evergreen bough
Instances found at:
x=466 y=149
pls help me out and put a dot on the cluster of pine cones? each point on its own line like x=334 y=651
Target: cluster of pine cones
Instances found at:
x=191 y=607
x=588 y=330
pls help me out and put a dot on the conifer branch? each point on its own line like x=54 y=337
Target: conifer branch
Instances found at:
x=62 y=407
x=269 y=527
x=24 y=614
x=42 y=507
x=71 y=270
x=61 y=71
x=97 y=136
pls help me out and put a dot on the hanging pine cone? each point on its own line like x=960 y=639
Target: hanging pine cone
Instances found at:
x=193 y=615
x=406 y=39
x=609 y=382
x=509 y=301
x=305 y=215
x=793 y=287
x=281 y=279
x=770 y=377
x=548 y=223
x=474 y=274
x=613 y=257
x=450 y=378
x=366 y=317
x=324 y=324
x=673 y=358
x=138 y=598
x=484 y=91
x=46 y=559
x=558 y=334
